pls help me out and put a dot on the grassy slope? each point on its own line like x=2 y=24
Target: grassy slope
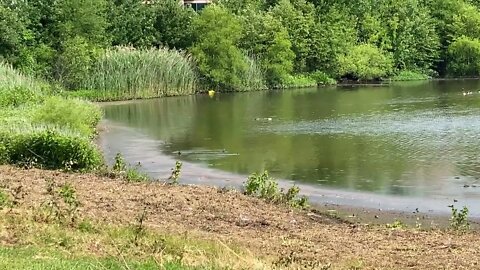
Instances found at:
x=40 y=259
x=209 y=228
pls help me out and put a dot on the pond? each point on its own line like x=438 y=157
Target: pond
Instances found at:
x=416 y=140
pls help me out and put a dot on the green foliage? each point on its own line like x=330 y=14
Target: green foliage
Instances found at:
x=73 y=114
x=11 y=39
x=131 y=23
x=265 y=37
x=219 y=60
x=299 y=21
x=173 y=24
x=4 y=199
x=265 y=187
x=397 y=224
x=128 y=73
x=459 y=219
x=335 y=33
x=297 y=81
x=321 y=78
x=365 y=62
x=409 y=75
x=122 y=170
x=175 y=176
x=75 y=61
x=464 y=57
x=17 y=89
x=50 y=148
x=61 y=205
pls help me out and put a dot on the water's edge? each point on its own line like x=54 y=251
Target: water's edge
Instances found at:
x=139 y=148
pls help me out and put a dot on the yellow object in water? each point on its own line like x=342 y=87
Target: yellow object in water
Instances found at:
x=211 y=93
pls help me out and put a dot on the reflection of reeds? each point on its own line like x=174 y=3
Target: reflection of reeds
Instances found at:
x=130 y=73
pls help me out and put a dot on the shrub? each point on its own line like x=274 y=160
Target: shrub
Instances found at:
x=50 y=148
x=265 y=187
x=121 y=170
x=322 y=78
x=459 y=219
x=365 y=62
x=74 y=114
x=464 y=57
x=299 y=81
x=409 y=75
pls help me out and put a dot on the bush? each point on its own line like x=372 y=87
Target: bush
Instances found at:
x=365 y=62
x=298 y=81
x=265 y=187
x=464 y=57
x=50 y=149
x=409 y=75
x=322 y=78
x=74 y=114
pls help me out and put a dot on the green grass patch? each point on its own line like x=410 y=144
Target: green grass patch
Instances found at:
x=48 y=258
x=42 y=130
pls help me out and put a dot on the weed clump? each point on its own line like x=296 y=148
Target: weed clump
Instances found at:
x=175 y=176
x=459 y=219
x=129 y=174
x=61 y=205
x=265 y=187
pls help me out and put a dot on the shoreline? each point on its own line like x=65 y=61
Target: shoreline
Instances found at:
x=138 y=147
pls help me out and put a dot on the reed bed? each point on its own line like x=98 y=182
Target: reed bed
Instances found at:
x=16 y=88
x=127 y=73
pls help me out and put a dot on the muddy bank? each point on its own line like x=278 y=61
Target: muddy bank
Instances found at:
x=274 y=233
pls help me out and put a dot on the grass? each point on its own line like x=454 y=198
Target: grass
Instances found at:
x=127 y=73
x=408 y=75
x=48 y=258
x=40 y=129
x=40 y=244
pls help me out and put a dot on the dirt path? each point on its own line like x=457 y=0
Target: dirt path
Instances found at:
x=274 y=233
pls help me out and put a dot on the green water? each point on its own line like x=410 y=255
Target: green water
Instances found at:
x=408 y=139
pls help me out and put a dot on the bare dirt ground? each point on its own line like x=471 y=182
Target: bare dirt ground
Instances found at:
x=274 y=233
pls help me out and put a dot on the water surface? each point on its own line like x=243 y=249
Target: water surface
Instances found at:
x=415 y=140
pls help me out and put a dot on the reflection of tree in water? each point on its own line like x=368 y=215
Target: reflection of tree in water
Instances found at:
x=397 y=140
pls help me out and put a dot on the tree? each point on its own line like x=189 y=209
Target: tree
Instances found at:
x=365 y=62
x=219 y=60
x=173 y=24
x=464 y=57
x=131 y=23
x=299 y=21
x=335 y=33
x=13 y=33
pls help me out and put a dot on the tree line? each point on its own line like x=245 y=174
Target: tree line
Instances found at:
x=248 y=44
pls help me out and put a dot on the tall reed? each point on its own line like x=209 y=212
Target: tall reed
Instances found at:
x=126 y=73
x=16 y=88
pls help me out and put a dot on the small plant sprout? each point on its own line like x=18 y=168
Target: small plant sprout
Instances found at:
x=175 y=176
x=459 y=219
